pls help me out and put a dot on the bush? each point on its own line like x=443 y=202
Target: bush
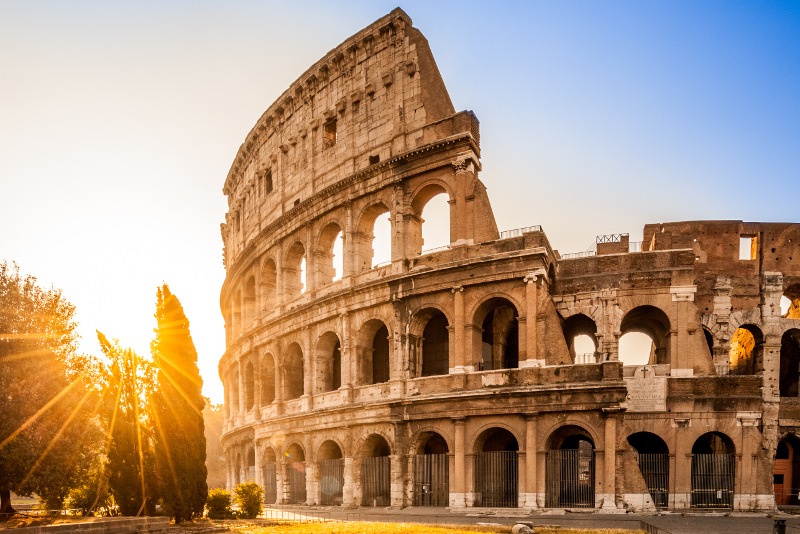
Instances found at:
x=249 y=497
x=219 y=504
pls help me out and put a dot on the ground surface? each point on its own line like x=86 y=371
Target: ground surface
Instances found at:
x=402 y=528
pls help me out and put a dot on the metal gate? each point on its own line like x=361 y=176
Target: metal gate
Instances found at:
x=376 y=476
x=570 y=479
x=297 y=482
x=331 y=482
x=655 y=472
x=496 y=479
x=431 y=480
x=712 y=480
x=270 y=484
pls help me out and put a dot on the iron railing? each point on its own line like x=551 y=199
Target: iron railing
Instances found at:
x=331 y=477
x=610 y=238
x=516 y=232
x=712 y=480
x=570 y=479
x=297 y=482
x=433 y=250
x=497 y=479
x=270 y=483
x=585 y=358
x=655 y=471
x=573 y=255
x=431 y=480
x=382 y=264
x=376 y=476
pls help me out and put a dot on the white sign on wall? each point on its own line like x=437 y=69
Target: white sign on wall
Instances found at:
x=646 y=391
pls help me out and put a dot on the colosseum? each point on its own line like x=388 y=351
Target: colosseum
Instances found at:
x=453 y=377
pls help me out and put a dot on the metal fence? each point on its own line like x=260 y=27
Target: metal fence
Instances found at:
x=376 y=476
x=431 y=480
x=497 y=479
x=570 y=479
x=712 y=480
x=655 y=471
x=297 y=482
x=270 y=483
x=433 y=250
x=331 y=477
x=505 y=234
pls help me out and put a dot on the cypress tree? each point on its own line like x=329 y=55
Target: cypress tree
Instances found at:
x=180 y=443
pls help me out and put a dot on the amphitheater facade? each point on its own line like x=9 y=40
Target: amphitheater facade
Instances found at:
x=450 y=377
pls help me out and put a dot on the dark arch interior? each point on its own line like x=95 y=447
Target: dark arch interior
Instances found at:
x=436 y=346
x=376 y=446
x=380 y=356
x=329 y=450
x=497 y=440
x=786 y=471
x=709 y=341
x=268 y=380
x=295 y=453
x=648 y=443
x=790 y=363
x=293 y=377
x=746 y=350
x=432 y=443
x=713 y=443
x=249 y=389
x=500 y=336
x=570 y=437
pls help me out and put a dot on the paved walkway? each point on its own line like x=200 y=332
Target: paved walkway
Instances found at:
x=673 y=523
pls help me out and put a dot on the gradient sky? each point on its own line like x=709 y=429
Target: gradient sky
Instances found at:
x=119 y=122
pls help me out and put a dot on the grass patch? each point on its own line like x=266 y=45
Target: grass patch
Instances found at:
x=358 y=527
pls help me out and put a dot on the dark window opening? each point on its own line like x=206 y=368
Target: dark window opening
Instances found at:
x=374 y=159
x=296 y=202
x=436 y=347
x=380 y=356
x=330 y=134
x=268 y=183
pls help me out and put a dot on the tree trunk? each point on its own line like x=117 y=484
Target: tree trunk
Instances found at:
x=6 y=510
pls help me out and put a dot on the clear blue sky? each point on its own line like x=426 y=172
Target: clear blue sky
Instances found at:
x=119 y=121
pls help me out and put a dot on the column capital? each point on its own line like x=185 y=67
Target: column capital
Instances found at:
x=534 y=275
x=457 y=289
x=459 y=421
x=532 y=416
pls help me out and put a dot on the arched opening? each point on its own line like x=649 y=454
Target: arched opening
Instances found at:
x=645 y=337
x=496 y=324
x=249 y=390
x=580 y=333
x=331 y=474
x=713 y=466
x=436 y=345
x=329 y=257
x=376 y=472
x=431 y=471
x=374 y=238
x=251 y=465
x=652 y=456
x=239 y=475
x=429 y=225
x=496 y=469
x=786 y=472
x=296 y=472
x=790 y=302
x=237 y=313
x=293 y=373
x=374 y=353
x=709 y=341
x=329 y=363
x=551 y=279
x=294 y=271
x=790 y=363
x=268 y=380
x=269 y=284
x=270 y=476
x=235 y=393
x=747 y=351
x=569 y=472
x=249 y=302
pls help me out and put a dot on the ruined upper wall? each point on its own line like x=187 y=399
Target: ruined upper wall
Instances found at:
x=365 y=102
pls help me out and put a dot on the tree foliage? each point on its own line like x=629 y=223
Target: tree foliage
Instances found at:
x=219 y=504
x=127 y=381
x=178 y=411
x=49 y=422
x=250 y=498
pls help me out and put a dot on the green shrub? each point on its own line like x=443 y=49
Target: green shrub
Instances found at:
x=249 y=497
x=219 y=504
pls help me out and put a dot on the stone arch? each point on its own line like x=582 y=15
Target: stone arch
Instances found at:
x=551 y=279
x=249 y=387
x=654 y=323
x=790 y=363
x=429 y=342
x=419 y=199
x=324 y=261
x=564 y=436
x=250 y=460
x=269 y=286
x=420 y=438
x=330 y=449
x=365 y=236
x=374 y=352
x=496 y=332
x=249 y=301
x=570 y=467
x=267 y=378
x=296 y=473
x=487 y=430
x=496 y=469
x=786 y=470
x=235 y=401
x=714 y=442
x=239 y=469
x=747 y=350
x=269 y=466
x=293 y=372
x=328 y=365
x=792 y=294
x=595 y=435
x=376 y=444
x=237 y=313
x=576 y=325
x=293 y=283
x=645 y=442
